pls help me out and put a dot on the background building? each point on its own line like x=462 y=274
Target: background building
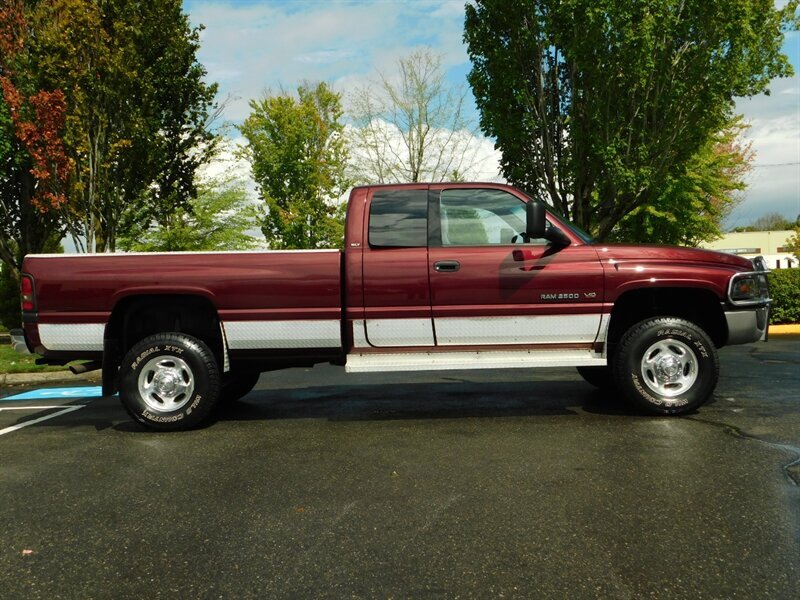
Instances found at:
x=772 y=245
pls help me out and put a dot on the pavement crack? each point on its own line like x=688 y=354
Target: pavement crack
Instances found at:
x=791 y=469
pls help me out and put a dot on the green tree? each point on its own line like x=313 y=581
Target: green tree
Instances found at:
x=217 y=219
x=177 y=106
x=600 y=108
x=298 y=156
x=772 y=221
x=138 y=108
x=411 y=127
x=693 y=205
x=793 y=243
x=10 y=310
x=10 y=313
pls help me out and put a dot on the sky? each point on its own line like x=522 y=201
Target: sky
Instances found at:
x=251 y=46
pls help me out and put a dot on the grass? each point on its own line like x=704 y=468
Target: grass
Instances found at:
x=13 y=362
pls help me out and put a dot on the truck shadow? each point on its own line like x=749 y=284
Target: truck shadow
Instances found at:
x=420 y=401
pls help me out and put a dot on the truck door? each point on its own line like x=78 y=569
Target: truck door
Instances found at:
x=489 y=287
x=397 y=302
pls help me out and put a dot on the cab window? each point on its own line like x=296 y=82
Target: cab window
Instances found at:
x=479 y=217
x=399 y=219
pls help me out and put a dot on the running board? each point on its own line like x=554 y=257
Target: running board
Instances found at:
x=490 y=359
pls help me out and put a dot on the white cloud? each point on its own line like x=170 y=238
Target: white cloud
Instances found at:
x=774 y=182
x=229 y=167
x=325 y=56
x=481 y=163
x=248 y=48
x=472 y=157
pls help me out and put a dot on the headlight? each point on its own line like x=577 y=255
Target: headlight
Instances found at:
x=744 y=288
x=750 y=288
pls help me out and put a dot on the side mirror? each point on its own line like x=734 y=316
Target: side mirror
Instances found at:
x=535 y=219
x=536 y=225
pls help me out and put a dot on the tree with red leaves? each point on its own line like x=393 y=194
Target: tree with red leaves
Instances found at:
x=34 y=166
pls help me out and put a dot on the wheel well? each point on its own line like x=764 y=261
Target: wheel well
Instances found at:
x=701 y=307
x=137 y=317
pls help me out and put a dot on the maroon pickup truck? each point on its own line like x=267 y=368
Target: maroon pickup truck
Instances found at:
x=432 y=277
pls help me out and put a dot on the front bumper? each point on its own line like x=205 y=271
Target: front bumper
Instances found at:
x=746 y=326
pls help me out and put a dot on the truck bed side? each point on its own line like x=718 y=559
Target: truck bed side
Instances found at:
x=264 y=300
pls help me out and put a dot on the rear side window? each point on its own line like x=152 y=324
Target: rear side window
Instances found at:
x=399 y=219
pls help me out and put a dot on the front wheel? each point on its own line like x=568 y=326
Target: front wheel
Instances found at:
x=169 y=381
x=666 y=366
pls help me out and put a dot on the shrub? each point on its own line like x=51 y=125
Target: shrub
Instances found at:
x=784 y=287
x=10 y=316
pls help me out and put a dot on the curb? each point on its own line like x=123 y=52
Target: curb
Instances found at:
x=782 y=330
x=46 y=378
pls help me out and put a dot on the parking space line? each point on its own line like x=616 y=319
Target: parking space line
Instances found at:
x=2 y=408
x=66 y=410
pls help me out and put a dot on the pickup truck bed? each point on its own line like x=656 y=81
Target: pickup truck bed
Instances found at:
x=264 y=300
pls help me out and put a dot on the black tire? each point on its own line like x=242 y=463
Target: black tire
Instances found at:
x=169 y=381
x=666 y=366
x=237 y=384
x=600 y=377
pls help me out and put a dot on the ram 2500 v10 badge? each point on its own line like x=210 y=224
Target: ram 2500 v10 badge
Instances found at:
x=432 y=276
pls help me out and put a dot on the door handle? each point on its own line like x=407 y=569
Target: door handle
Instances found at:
x=447 y=266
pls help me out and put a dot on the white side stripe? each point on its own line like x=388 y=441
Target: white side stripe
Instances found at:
x=400 y=332
x=72 y=336
x=360 y=335
x=542 y=329
x=252 y=335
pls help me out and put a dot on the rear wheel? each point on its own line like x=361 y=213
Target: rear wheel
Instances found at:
x=666 y=366
x=169 y=381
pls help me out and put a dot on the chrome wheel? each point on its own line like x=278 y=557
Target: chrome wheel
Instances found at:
x=669 y=368
x=665 y=366
x=169 y=381
x=166 y=383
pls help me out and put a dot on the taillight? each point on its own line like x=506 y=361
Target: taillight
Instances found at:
x=26 y=291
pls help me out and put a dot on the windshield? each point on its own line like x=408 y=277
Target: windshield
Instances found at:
x=584 y=237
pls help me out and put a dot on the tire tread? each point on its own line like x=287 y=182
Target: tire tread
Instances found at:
x=621 y=374
x=202 y=352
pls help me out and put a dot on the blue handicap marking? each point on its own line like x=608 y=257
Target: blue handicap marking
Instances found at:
x=56 y=393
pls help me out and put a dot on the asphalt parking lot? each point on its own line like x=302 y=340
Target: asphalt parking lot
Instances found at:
x=520 y=484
